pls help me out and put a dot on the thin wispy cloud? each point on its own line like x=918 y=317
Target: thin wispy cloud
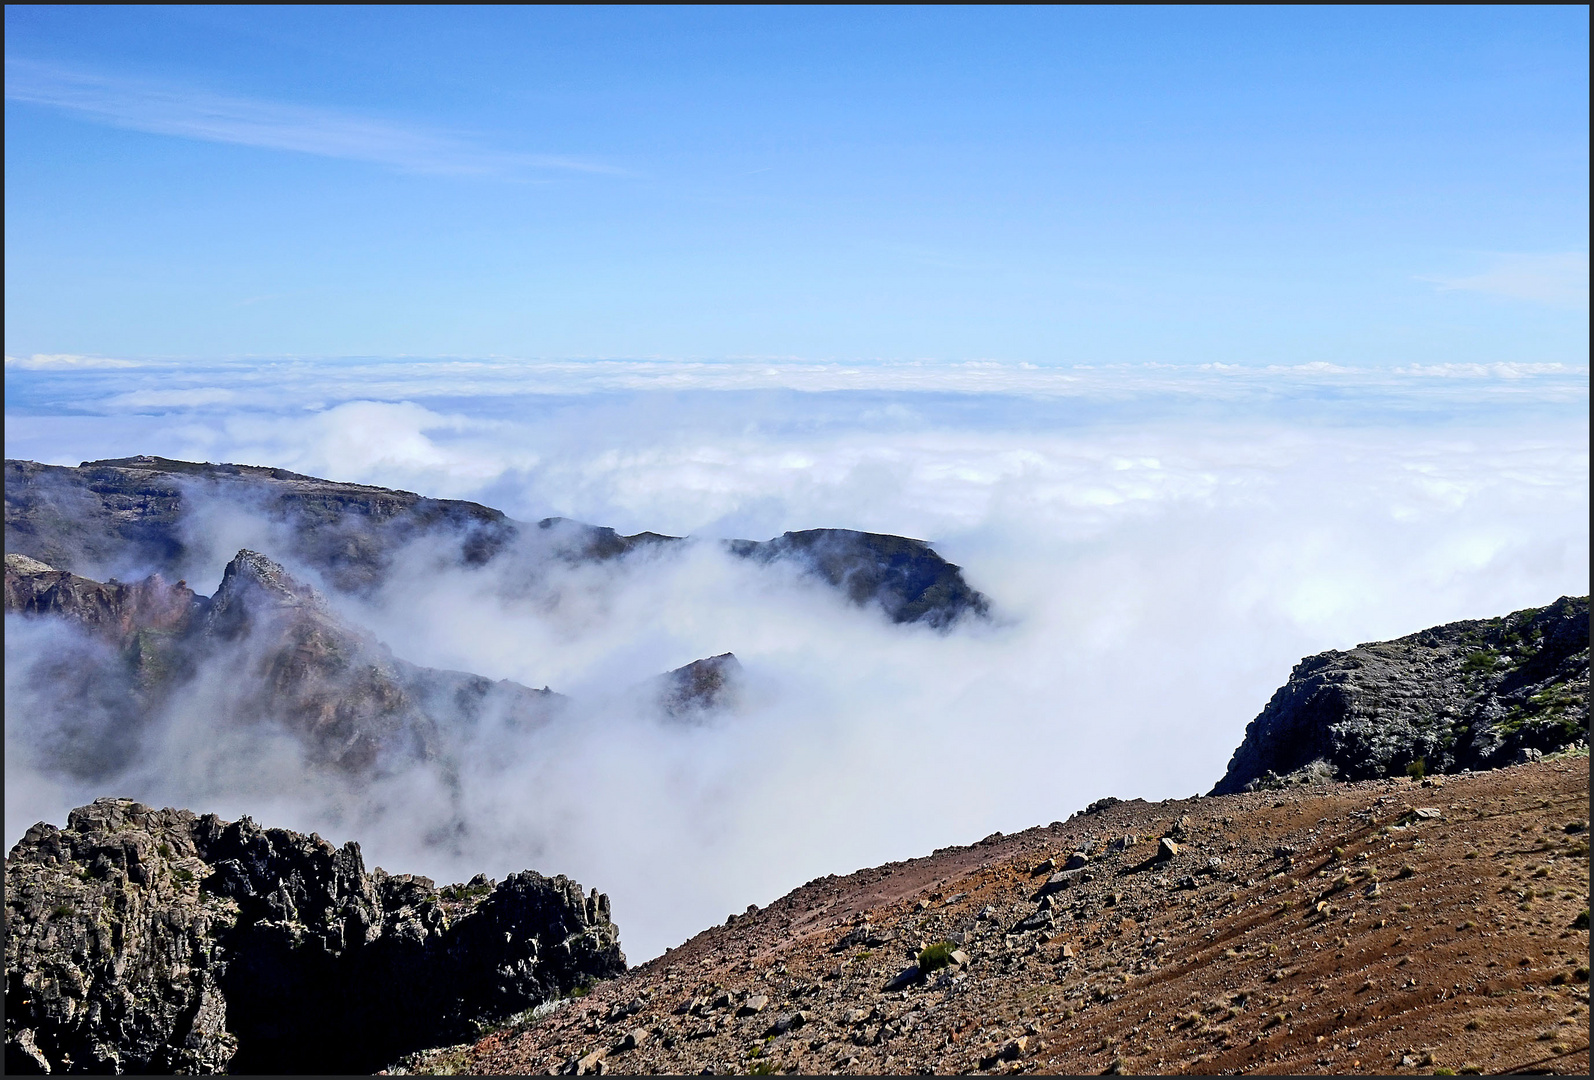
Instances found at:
x=1559 y=279
x=66 y=362
x=190 y=113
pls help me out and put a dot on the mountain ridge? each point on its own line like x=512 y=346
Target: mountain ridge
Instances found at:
x=122 y=516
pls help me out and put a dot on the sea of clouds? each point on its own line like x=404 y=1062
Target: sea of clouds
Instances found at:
x=1160 y=546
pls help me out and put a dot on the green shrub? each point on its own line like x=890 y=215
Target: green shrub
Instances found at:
x=937 y=956
x=1416 y=769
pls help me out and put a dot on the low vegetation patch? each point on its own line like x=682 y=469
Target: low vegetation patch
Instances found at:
x=937 y=956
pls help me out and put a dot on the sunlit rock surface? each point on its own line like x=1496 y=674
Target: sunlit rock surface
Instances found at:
x=1467 y=695
x=141 y=940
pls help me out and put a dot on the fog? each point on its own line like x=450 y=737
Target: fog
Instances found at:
x=1157 y=561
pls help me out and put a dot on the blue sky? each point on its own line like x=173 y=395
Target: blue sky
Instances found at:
x=1365 y=187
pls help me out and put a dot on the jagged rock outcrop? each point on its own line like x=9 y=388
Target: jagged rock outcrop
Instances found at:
x=904 y=577
x=137 y=515
x=274 y=652
x=113 y=609
x=142 y=940
x=700 y=688
x=1466 y=695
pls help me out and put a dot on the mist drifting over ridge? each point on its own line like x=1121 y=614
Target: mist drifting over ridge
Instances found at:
x=1159 y=547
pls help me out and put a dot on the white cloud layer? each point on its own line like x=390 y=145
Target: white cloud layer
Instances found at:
x=1156 y=574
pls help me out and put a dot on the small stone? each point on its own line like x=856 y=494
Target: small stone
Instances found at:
x=1166 y=849
x=907 y=977
x=590 y=1061
x=633 y=1039
x=753 y=1005
x=960 y=958
x=1075 y=861
x=789 y=1022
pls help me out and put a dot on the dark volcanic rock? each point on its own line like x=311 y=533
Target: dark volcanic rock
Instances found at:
x=701 y=687
x=136 y=516
x=577 y=542
x=905 y=577
x=140 y=940
x=1470 y=694
x=127 y=515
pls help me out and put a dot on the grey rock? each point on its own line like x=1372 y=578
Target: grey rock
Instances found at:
x=904 y=577
x=1466 y=695
x=142 y=940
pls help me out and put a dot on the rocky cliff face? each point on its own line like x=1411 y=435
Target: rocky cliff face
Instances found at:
x=1466 y=695
x=273 y=651
x=140 y=940
x=135 y=516
x=906 y=578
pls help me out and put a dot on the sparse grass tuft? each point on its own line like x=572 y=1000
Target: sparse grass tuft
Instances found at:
x=935 y=957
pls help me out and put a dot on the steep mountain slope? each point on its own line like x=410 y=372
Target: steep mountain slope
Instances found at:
x=1466 y=695
x=1376 y=927
x=140 y=940
x=270 y=651
x=136 y=516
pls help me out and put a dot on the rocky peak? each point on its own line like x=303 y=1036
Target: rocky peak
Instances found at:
x=253 y=585
x=701 y=687
x=143 y=940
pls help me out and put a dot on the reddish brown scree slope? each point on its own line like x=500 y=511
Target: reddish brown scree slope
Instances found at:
x=1378 y=927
